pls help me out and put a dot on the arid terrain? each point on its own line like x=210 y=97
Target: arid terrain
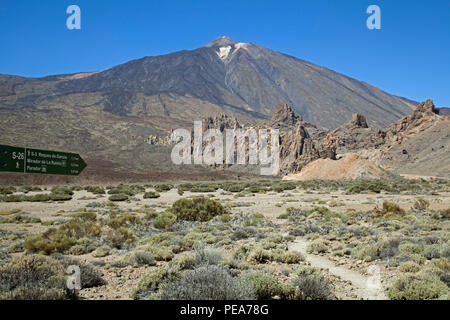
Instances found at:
x=260 y=239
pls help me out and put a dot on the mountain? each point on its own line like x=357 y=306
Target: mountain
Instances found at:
x=116 y=118
x=242 y=79
x=444 y=111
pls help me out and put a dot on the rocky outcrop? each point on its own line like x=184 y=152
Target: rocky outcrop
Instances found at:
x=352 y=135
x=423 y=117
x=284 y=115
x=221 y=122
x=298 y=148
x=358 y=121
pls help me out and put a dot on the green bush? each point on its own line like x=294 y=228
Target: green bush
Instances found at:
x=318 y=246
x=259 y=255
x=151 y=195
x=197 y=209
x=421 y=204
x=151 y=282
x=117 y=238
x=417 y=287
x=409 y=267
x=33 y=277
x=183 y=262
x=264 y=285
x=389 y=209
x=159 y=253
x=163 y=187
x=164 y=220
x=90 y=277
x=63 y=238
x=290 y=257
x=118 y=197
x=206 y=283
x=95 y=189
x=101 y=252
x=309 y=287
x=139 y=258
x=62 y=190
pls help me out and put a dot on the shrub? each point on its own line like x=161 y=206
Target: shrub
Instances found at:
x=197 y=209
x=151 y=195
x=7 y=190
x=33 y=277
x=264 y=285
x=409 y=267
x=234 y=187
x=389 y=209
x=163 y=187
x=206 y=283
x=127 y=190
x=150 y=283
x=442 y=263
x=164 y=220
x=89 y=275
x=318 y=246
x=409 y=248
x=260 y=256
x=417 y=287
x=116 y=238
x=160 y=253
x=303 y=271
x=117 y=221
x=62 y=190
x=253 y=220
x=101 y=252
x=183 y=262
x=95 y=189
x=84 y=215
x=118 y=197
x=60 y=197
x=290 y=257
x=421 y=204
x=308 y=287
x=205 y=256
x=49 y=242
x=139 y=258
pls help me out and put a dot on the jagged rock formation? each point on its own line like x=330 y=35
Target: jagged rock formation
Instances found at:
x=302 y=143
x=283 y=115
x=416 y=144
x=423 y=117
x=221 y=122
x=358 y=121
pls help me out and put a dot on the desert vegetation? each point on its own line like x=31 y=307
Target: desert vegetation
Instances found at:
x=226 y=240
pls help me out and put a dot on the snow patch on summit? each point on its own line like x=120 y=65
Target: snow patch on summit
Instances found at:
x=224 y=52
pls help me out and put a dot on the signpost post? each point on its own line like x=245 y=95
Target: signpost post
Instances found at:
x=26 y=160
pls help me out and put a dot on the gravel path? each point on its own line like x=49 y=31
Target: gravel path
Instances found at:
x=361 y=283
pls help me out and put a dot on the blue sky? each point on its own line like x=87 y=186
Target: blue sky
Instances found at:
x=409 y=56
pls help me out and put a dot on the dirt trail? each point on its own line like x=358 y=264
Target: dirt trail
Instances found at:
x=358 y=281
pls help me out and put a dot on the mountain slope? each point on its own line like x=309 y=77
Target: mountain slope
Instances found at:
x=240 y=78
